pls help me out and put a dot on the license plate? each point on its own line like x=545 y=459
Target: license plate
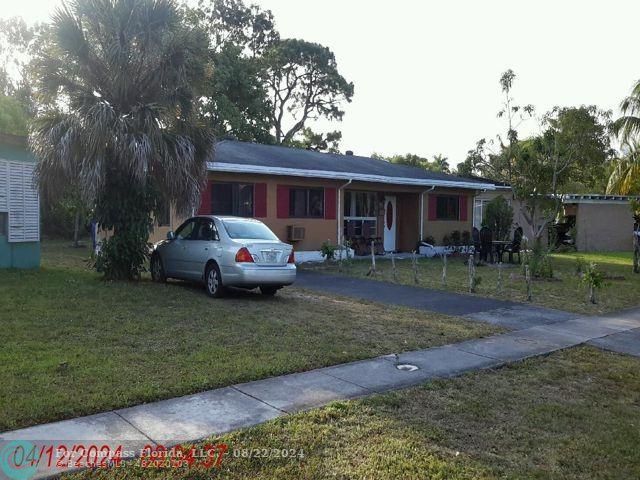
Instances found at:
x=271 y=256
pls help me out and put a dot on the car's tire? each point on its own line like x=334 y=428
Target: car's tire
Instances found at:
x=213 y=281
x=157 y=269
x=271 y=291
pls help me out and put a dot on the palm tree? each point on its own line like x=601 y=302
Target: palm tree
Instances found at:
x=628 y=125
x=625 y=176
x=117 y=79
x=625 y=180
x=441 y=163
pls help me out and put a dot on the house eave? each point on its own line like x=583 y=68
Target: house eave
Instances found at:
x=325 y=174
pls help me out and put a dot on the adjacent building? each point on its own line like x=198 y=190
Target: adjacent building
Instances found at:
x=600 y=222
x=19 y=205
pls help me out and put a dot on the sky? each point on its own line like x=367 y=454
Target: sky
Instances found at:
x=426 y=72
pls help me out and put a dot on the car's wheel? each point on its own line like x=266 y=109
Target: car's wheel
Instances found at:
x=271 y=291
x=213 y=281
x=157 y=269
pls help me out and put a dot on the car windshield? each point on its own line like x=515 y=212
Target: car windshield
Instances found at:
x=248 y=229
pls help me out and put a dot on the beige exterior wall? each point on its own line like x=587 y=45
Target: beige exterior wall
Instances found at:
x=604 y=227
x=318 y=230
x=439 y=228
x=518 y=217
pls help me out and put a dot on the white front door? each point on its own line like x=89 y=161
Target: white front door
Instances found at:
x=390 y=223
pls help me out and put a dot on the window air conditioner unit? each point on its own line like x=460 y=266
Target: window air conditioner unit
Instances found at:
x=294 y=233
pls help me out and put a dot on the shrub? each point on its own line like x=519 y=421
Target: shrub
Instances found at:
x=328 y=251
x=466 y=238
x=581 y=265
x=456 y=237
x=446 y=241
x=430 y=240
x=499 y=218
x=539 y=262
x=594 y=279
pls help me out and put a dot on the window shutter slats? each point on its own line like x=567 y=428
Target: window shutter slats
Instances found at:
x=205 y=200
x=433 y=206
x=4 y=186
x=463 y=208
x=23 y=203
x=282 y=201
x=260 y=200
x=330 y=203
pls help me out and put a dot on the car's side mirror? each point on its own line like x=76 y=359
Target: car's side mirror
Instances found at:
x=171 y=235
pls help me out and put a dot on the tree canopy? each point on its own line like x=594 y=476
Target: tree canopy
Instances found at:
x=118 y=85
x=265 y=88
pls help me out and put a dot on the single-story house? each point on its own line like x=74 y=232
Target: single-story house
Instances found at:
x=601 y=222
x=307 y=197
x=19 y=205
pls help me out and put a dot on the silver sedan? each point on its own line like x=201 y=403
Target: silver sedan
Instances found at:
x=223 y=252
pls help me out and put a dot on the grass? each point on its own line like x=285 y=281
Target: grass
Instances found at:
x=564 y=292
x=571 y=415
x=73 y=344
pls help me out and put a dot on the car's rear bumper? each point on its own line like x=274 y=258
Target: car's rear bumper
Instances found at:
x=247 y=275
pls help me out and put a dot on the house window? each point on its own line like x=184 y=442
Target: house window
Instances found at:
x=479 y=207
x=448 y=207
x=163 y=215
x=360 y=217
x=232 y=199
x=3 y=225
x=306 y=202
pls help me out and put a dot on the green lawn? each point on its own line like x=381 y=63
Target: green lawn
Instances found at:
x=571 y=415
x=565 y=291
x=73 y=344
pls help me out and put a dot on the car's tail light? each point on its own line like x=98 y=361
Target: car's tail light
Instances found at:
x=292 y=258
x=243 y=256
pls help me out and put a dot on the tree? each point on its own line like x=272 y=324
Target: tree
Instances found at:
x=303 y=84
x=13 y=117
x=572 y=150
x=625 y=176
x=499 y=217
x=319 y=142
x=231 y=22
x=236 y=101
x=627 y=127
x=118 y=83
x=441 y=163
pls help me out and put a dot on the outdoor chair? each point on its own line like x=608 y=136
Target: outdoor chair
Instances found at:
x=515 y=245
x=486 y=244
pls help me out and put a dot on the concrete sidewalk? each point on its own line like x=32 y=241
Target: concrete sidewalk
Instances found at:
x=511 y=315
x=195 y=417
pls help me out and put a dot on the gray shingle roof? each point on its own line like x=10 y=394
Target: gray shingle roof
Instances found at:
x=279 y=157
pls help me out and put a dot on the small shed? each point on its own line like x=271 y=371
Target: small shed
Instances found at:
x=602 y=222
x=19 y=205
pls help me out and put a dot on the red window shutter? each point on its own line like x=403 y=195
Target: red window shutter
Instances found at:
x=206 y=200
x=463 y=208
x=260 y=200
x=433 y=206
x=330 y=203
x=283 y=201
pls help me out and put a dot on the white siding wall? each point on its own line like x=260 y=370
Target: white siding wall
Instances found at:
x=19 y=196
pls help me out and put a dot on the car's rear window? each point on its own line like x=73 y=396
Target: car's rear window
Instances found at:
x=248 y=230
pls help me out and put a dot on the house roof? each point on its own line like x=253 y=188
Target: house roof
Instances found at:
x=499 y=185
x=245 y=157
x=597 y=198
